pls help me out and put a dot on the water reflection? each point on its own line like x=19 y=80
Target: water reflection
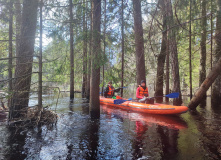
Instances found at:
x=209 y=127
x=15 y=144
x=138 y=143
x=118 y=134
x=93 y=142
x=168 y=142
x=153 y=133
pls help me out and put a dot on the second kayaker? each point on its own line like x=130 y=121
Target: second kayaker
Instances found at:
x=109 y=91
x=142 y=93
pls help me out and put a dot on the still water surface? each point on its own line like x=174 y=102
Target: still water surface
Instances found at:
x=118 y=134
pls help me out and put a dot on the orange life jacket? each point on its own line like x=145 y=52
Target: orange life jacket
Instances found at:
x=143 y=92
x=111 y=91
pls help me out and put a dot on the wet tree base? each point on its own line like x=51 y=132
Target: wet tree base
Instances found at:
x=33 y=117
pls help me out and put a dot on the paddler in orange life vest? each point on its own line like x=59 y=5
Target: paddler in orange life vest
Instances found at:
x=109 y=91
x=142 y=93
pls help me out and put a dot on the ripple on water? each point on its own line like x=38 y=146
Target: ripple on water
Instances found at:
x=118 y=134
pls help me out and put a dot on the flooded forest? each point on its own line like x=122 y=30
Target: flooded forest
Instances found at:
x=110 y=79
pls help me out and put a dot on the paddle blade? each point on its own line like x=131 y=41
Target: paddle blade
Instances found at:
x=119 y=101
x=173 y=95
x=129 y=99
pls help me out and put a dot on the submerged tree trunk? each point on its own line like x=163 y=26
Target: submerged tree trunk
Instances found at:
x=18 y=17
x=139 y=42
x=89 y=57
x=84 y=83
x=104 y=52
x=122 y=46
x=40 y=60
x=199 y=95
x=190 y=51
x=161 y=58
x=23 y=70
x=174 y=53
x=71 y=52
x=203 y=45
x=10 y=51
x=216 y=92
x=211 y=43
x=96 y=56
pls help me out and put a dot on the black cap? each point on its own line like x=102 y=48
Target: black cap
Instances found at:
x=143 y=81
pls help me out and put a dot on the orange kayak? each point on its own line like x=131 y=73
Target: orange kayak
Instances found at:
x=172 y=122
x=146 y=108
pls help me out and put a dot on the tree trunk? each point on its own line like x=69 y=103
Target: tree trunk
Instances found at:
x=122 y=46
x=10 y=51
x=211 y=43
x=105 y=6
x=203 y=45
x=89 y=57
x=216 y=92
x=18 y=17
x=84 y=84
x=161 y=58
x=23 y=70
x=96 y=55
x=71 y=52
x=139 y=42
x=199 y=95
x=40 y=61
x=190 y=52
x=174 y=54
x=167 y=70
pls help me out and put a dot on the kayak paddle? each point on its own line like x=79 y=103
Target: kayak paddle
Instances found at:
x=171 y=95
x=119 y=101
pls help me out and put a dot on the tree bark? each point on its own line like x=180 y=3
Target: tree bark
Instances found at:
x=167 y=70
x=40 y=61
x=23 y=70
x=216 y=92
x=174 y=53
x=18 y=17
x=71 y=52
x=199 y=95
x=10 y=51
x=89 y=57
x=211 y=43
x=139 y=42
x=122 y=46
x=105 y=6
x=96 y=55
x=84 y=83
x=190 y=52
x=203 y=45
x=161 y=58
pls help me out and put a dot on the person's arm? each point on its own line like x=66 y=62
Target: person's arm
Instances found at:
x=106 y=89
x=147 y=95
x=117 y=90
x=137 y=93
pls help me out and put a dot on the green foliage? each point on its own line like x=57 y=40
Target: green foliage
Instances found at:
x=56 y=66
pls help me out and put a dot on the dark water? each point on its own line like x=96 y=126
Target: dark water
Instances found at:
x=118 y=134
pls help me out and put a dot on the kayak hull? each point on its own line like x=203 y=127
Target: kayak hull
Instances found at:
x=146 y=108
x=171 y=122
